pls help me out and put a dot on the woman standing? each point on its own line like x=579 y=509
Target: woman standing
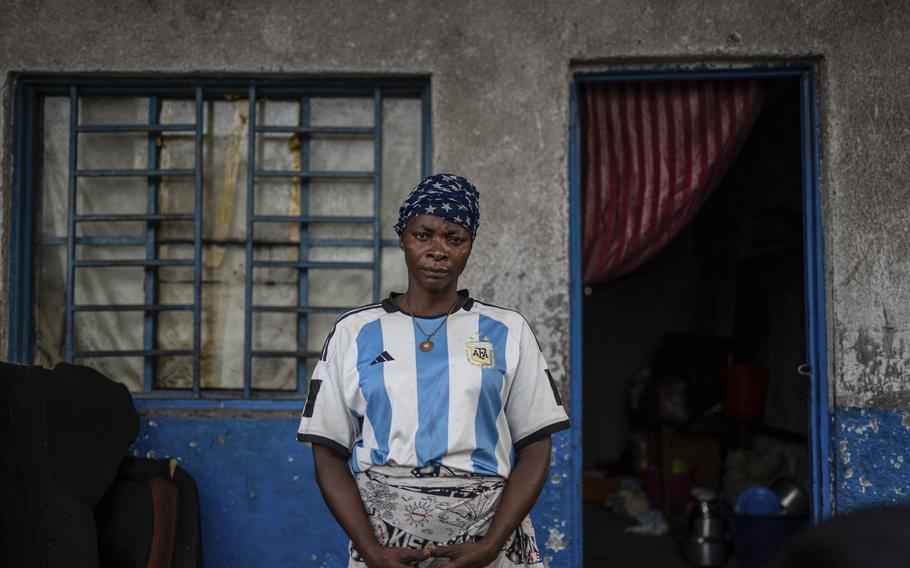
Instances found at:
x=430 y=413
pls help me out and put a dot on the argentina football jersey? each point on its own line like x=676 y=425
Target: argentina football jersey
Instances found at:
x=479 y=393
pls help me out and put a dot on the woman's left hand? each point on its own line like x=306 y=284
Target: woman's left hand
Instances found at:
x=466 y=555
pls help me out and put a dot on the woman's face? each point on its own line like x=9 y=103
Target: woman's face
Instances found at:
x=435 y=251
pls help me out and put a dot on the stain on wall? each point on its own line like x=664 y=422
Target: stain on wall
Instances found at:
x=875 y=362
x=259 y=502
x=873 y=457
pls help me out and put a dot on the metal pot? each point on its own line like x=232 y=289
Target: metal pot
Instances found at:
x=706 y=521
x=711 y=527
x=702 y=551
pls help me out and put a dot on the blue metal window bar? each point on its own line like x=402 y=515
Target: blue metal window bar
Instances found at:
x=303 y=264
x=151 y=263
x=28 y=96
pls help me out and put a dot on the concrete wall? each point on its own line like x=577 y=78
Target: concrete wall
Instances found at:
x=500 y=76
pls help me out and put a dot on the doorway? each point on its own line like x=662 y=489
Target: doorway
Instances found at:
x=736 y=298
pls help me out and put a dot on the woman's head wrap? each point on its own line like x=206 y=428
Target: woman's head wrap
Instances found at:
x=444 y=195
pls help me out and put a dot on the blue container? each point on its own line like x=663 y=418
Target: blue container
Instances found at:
x=757 y=538
x=758 y=500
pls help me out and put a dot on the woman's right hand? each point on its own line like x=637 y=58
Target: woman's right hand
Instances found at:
x=393 y=557
x=343 y=498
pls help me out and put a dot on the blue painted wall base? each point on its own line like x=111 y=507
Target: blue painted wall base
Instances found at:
x=260 y=504
x=873 y=458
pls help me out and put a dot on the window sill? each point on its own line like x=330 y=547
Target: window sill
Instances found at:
x=148 y=401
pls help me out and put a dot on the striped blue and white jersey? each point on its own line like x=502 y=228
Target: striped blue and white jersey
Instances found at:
x=481 y=393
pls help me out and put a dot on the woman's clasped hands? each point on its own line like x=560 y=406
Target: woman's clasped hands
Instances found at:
x=465 y=555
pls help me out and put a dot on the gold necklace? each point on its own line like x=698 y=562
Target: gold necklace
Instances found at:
x=427 y=345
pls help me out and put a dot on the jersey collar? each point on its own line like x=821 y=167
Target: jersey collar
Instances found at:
x=390 y=306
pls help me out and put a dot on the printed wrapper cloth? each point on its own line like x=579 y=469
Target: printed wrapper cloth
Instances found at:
x=444 y=508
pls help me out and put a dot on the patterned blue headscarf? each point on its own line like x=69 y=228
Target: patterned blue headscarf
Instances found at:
x=448 y=196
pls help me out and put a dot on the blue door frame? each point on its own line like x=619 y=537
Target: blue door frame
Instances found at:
x=813 y=236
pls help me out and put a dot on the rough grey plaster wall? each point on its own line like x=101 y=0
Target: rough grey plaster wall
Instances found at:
x=501 y=73
x=869 y=170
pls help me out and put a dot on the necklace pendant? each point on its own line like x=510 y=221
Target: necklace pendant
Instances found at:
x=426 y=345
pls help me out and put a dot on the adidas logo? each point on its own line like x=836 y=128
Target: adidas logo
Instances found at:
x=382 y=358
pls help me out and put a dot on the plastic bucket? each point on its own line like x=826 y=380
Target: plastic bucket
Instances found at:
x=744 y=388
x=757 y=538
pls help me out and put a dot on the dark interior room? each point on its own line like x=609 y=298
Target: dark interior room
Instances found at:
x=691 y=372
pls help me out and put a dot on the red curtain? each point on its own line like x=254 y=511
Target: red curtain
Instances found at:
x=653 y=151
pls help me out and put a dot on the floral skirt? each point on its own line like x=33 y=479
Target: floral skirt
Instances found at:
x=438 y=505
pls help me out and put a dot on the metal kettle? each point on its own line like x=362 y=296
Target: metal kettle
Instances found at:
x=707 y=543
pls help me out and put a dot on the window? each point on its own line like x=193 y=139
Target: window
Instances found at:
x=199 y=239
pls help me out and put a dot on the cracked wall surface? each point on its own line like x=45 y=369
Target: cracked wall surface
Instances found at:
x=872 y=457
x=500 y=74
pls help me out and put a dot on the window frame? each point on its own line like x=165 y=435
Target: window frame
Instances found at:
x=29 y=92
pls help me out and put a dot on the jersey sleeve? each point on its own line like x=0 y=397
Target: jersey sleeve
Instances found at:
x=327 y=418
x=534 y=408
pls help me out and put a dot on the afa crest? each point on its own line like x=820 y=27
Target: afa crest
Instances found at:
x=480 y=353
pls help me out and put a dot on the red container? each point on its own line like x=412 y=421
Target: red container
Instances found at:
x=744 y=388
